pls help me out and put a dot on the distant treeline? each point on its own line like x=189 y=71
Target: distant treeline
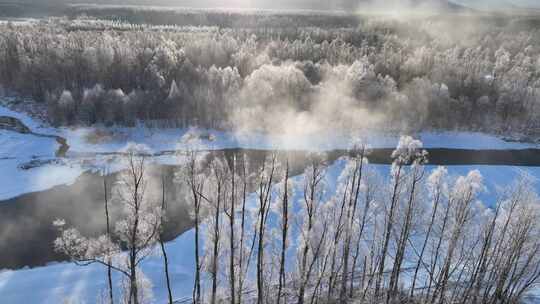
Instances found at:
x=415 y=74
x=239 y=18
x=214 y=17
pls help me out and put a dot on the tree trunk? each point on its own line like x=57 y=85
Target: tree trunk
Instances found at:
x=133 y=252
x=284 y=231
x=424 y=245
x=215 y=251
x=231 y=222
x=197 y=285
x=351 y=213
x=161 y=242
x=404 y=237
x=109 y=262
x=265 y=186
x=388 y=232
x=242 y=231
x=310 y=209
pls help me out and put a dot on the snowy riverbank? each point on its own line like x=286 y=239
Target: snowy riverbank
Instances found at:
x=21 y=149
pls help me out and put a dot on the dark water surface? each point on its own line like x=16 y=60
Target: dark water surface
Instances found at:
x=27 y=233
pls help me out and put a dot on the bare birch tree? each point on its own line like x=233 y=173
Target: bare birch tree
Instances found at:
x=137 y=232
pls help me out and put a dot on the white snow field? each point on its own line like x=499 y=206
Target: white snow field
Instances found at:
x=17 y=149
x=170 y=139
x=67 y=283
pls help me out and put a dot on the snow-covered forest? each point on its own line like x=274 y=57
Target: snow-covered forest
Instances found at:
x=465 y=72
x=175 y=155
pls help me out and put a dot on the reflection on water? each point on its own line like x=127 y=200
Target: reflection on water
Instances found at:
x=27 y=234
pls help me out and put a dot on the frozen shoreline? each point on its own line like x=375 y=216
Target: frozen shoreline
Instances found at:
x=19 y=149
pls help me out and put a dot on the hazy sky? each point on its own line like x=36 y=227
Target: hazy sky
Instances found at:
x=323 y=3
x=305 y=4
x=328 y=3
x=500 y=3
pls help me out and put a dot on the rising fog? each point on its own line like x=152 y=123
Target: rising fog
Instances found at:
x=333 y=74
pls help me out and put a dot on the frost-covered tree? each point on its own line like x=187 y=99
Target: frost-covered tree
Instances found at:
x=267 y=175
x=408 y=150
x=192 y=177
x=312 y=232
x=409 y=76
x=282 y=208
x=136 y=232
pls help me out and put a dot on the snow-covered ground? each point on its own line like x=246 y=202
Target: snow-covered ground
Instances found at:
x=67 y=283
x=17 y=149
x=19 y=21
x=170 y=139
